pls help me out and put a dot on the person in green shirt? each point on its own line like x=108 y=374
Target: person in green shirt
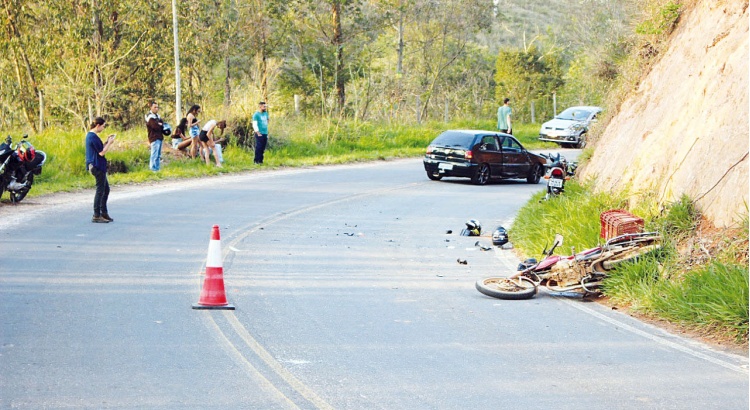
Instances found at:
x=260 y=126
x=503 y=117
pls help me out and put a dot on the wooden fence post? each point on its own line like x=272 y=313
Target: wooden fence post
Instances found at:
x=554 y=104
x=41 y=111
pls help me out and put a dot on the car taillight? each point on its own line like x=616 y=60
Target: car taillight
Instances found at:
x=557 y=173
x=468 y=155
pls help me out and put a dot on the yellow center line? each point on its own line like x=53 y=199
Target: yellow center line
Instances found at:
x=245 y=335
x=264 y=355
x=264 y=383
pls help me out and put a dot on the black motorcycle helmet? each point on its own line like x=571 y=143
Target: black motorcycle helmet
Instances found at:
x=166 y=129
x=473 y=227
x=500 y=236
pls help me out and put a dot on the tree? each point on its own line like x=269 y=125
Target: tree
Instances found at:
x=525 y=75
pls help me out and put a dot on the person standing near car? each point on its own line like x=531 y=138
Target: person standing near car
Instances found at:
x=96 y=165
x=260 y=126
x=155 y=126
x=503 y=117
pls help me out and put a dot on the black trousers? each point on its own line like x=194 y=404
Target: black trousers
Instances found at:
x=260 y=147
x=102 y=191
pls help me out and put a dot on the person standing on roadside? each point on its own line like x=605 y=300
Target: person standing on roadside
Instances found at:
x=503 y=117
x=260 y=126
x=155 y=126
x=195 y=128
x=96 y=165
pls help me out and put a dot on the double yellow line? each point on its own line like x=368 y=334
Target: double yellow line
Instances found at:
x=303 y=390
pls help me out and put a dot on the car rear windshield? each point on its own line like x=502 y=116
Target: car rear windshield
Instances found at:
x=454 y=139
x=574 y=114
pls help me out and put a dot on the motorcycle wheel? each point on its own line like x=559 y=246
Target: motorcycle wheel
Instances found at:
x=508 y=289
x=16 y=197
x=628 y=256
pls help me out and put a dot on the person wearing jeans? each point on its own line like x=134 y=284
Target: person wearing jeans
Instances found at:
x=96 y=164
x=260 y=126
x=155 y=126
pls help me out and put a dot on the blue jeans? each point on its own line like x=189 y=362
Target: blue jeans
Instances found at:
x=153 y=162
x=260 y=147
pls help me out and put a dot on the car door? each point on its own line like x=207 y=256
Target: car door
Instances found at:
x=489 y=152
x=514 y=157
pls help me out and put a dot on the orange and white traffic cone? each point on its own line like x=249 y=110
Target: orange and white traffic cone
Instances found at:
x=213 y=295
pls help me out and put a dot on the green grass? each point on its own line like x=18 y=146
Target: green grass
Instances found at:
x=575 y=215
x=708 y=294
x=293 y=143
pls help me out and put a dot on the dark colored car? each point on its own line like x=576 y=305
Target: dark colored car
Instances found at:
x=481 y=156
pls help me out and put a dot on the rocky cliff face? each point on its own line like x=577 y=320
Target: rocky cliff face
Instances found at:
x=684 y=130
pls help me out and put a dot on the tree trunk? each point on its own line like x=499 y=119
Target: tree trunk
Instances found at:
x=227 y=85
x=96 y=50
x=263 y=66
x=19 y=52
x=338 y=43
x=400 y=64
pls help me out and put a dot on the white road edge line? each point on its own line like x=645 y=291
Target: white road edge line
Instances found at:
x=654 y=338
x=508 y=263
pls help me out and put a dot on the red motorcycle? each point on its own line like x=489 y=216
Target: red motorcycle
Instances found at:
x=581 y=272
x=18 y=166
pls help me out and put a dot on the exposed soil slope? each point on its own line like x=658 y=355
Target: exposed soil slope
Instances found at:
x=684 y=130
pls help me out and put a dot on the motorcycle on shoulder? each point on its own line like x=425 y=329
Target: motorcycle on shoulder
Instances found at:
x=580 y=272
x=18 y=166
x=558 y=171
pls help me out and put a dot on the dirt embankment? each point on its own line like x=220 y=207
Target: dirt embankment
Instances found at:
x=684 y=130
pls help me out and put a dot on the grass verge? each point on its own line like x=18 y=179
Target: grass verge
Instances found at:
x=293 y=143
x=698 y=280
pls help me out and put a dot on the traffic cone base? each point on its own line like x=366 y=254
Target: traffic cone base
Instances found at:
x=198 y=306
x=212 y=294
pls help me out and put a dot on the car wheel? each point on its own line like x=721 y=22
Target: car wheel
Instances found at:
x=435 y=176
x=535 y=174
x=482 y=175
x=581 y=141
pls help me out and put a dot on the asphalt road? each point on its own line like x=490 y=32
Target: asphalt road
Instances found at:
x=348 y=295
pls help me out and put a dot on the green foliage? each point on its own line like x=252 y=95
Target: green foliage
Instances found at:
x=711 y=298
x=524 y=75
x=575 y=215
x=662 y=21
x=680 y=218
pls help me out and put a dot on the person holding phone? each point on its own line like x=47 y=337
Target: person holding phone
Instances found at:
x=96 y=164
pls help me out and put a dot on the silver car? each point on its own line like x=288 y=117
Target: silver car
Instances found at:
x=570 y=126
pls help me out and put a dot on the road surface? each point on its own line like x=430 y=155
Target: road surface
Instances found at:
x=348 y=295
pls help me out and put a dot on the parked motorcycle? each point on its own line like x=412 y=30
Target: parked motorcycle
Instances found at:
x=18 y=166
x=581 y=272
x=558 y=171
